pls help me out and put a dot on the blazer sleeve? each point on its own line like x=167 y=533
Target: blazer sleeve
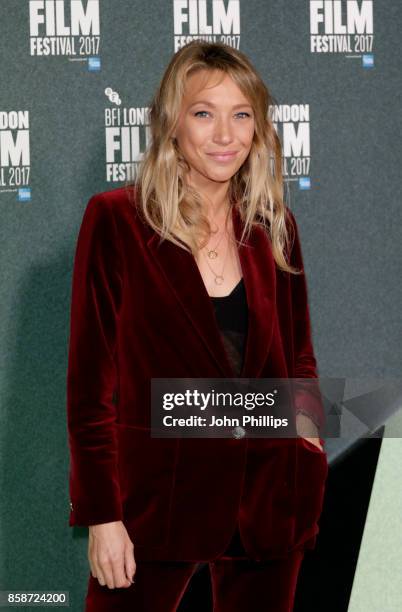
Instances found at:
x=92 y=373
x=308 y=398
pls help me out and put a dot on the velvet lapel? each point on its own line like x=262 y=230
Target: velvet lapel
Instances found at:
x=182 y=274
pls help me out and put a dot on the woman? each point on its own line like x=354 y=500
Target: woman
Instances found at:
x=193 y=271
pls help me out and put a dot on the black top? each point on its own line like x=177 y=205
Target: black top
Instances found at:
x=231 y=313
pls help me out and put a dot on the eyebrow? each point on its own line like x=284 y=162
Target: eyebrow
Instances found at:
x=213 y=105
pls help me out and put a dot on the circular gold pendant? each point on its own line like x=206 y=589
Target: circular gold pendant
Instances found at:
x=219 y=280
x=212 y=254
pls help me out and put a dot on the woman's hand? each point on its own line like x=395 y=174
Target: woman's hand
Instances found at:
x=316 y=442
x=111 y=554
x=305 y=425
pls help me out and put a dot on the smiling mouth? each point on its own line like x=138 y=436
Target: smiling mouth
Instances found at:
x=223 y=156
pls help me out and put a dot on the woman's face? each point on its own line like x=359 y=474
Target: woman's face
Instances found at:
x=214 y=120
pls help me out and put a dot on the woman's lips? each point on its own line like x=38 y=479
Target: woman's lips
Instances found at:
x=223 y=157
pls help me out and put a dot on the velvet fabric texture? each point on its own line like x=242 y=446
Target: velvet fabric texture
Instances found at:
x=236 y=586
x=140 y=309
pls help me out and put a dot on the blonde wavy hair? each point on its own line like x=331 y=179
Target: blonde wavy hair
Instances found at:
x=161 y=194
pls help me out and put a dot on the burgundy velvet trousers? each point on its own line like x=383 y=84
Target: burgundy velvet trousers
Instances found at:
x=238 y=585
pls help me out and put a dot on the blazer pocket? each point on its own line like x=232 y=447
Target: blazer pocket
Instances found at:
x=311 y=470
x=146 y=468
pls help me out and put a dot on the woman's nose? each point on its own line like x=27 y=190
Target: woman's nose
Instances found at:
x=223 y=131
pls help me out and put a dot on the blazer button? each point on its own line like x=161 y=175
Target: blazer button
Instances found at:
x=71 y=506
x=238 y=432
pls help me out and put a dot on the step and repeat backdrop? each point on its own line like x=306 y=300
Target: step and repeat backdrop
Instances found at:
x=77 y=77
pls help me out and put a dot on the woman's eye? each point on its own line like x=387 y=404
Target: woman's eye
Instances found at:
x=206 y=112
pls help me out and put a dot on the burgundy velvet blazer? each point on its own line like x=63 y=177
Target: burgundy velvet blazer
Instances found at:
x=140 y=309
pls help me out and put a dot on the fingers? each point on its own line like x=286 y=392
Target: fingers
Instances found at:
x=96 y=569
x=315 y=441
x=117 y=567
x=129 y=561
x=118 y=574
x=106 y=568
x=90 y=555
x=99 y=563
x=110 y=555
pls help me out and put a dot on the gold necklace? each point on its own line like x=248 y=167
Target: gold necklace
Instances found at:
x=213 y=253
x=219 y=278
